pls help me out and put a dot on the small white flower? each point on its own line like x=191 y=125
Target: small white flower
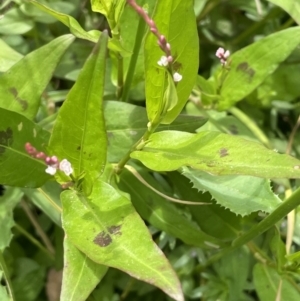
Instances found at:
x=66 y=167
x=163 y=61
x=227 y=54
x=177 y=77
x=222 y=55
x=51 y=170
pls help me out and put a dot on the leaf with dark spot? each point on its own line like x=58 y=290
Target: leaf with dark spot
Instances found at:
x=223 y=152
x=115 y=230
x=103 y=239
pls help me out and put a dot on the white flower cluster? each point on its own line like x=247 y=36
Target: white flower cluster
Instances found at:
x=64 y=165
x=222 y=55
x=163 y=62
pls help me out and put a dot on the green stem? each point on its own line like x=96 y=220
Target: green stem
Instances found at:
x=279 y=213
x=136 y=49
x=34 y=241
x=252 y=126
x=6 y=276
x=120 y=76
x=137 y=146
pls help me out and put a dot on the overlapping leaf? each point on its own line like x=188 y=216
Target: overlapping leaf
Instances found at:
x=183 y=38
x=162 y=214
x=251 y=65
x=240 y=194
x=22 y=85
x=79 y=133
x=80 y=275
x=126 y=123
x=108 y=230
x=17 y=167
x=216 y=153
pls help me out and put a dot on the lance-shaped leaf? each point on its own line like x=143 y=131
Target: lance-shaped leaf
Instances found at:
x=17 y=167
x=162 y=214
x=251 y=65
x=291 y=7
x=76 y=29
x=183 y=39
x=79 y=132
x=22 y=85
x=80 y=274
x=108 y=230
x=230 y=191
x=216 y=153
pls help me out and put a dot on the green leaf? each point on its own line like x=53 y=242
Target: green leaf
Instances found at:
x=251 y=65
x=46 y=198
x=70 y=22
x=291 y=7
x=29 y=279
x=79 y=132
x=14 y=23
x=160 y=213
x=22 y=85
x=126 y=124
x=75 y=28
x=216 y=153
x=267 y=282
x=8 y=56
x=17 y=167
x=240 y=194
x=107 y=229
x=8 y=201
x=80 y=274
x=112 y=9
x=3 y=294
x=233 y=269
x=213 y=219
x=183 y=37
x=207 y=90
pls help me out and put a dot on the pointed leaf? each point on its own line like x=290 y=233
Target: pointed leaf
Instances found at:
x=251 y=65
x=107 y=229
x=163 y=215
x=216 y=153
x=80 y=274
x=75 y=27
x=17 y=167
x=240 y=194
x=79 y=132
x=183 y=38
x=22 y=85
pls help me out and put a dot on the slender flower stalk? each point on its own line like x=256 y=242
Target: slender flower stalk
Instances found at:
x=167 y=59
